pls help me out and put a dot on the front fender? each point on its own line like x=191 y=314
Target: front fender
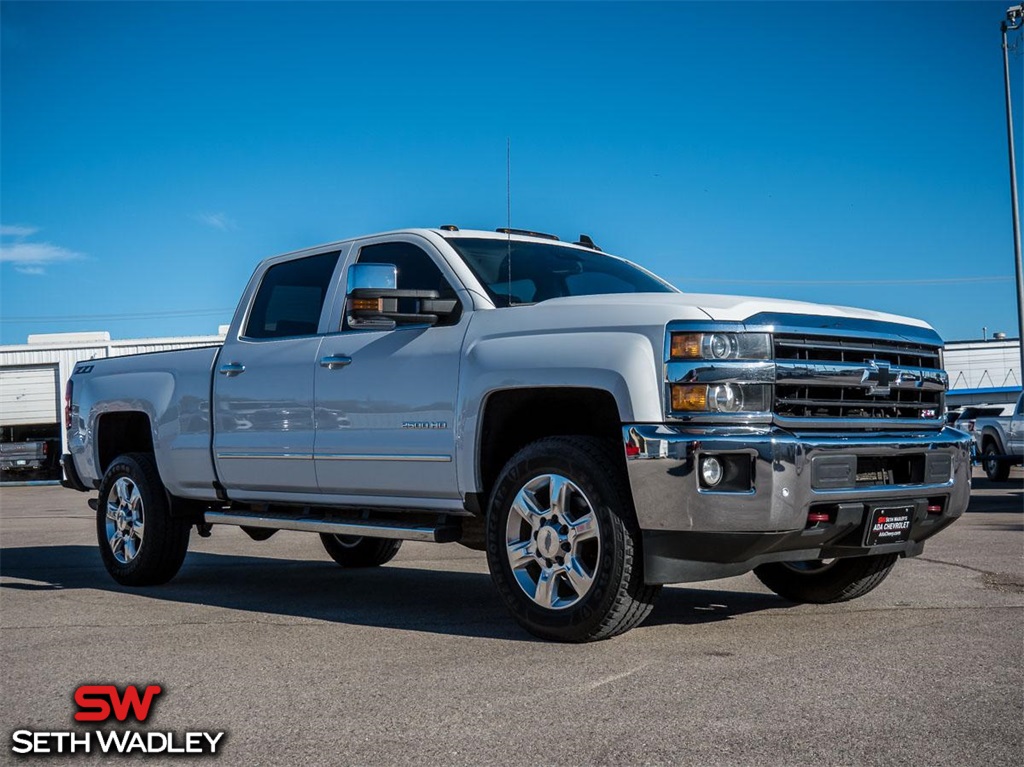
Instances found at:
x=621 y=363
x=990 y=432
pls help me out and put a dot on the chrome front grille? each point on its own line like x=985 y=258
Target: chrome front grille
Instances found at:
x=839 y=378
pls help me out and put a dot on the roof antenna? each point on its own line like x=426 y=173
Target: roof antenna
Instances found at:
x=508 y=212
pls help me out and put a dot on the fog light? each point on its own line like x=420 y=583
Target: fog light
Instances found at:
x=711 y=471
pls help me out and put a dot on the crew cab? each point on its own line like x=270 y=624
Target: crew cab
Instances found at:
x=596 y=431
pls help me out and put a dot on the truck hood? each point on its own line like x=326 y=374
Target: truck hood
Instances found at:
x=739 y=308
x=723 y=308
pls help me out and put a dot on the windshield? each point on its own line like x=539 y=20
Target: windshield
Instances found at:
x=540 y=271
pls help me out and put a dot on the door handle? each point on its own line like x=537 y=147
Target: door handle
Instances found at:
x=231 y=369
x=334 y=361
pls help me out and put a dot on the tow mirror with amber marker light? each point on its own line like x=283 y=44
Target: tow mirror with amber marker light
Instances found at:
x=373 y=298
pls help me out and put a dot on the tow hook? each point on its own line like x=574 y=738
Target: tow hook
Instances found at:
x=205 y=529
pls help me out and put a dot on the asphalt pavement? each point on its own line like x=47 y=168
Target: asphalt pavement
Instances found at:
x=300 y=661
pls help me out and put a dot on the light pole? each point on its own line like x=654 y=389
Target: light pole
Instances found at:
x=1013 y=21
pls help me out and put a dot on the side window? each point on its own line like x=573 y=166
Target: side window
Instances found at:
x=291 y=297
x=416 y=270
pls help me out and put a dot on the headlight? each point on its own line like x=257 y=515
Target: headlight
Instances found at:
x=721 y=398
x=721 y=346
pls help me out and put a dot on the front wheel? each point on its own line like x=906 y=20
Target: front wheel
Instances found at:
x=141 y=544
x=995 y=470
x=826 y=581
x=563 y=546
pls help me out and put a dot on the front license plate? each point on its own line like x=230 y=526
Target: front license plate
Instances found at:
x=889 y=525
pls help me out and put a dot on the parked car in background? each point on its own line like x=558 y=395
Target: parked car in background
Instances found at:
x=966 y=416
x=18 y=460
x=1000 y=442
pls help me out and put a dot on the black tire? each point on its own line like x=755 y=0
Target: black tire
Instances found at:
x=616 y=599
x=995 y=470
x=824 y=583
x=357 y=551
x=161 y=548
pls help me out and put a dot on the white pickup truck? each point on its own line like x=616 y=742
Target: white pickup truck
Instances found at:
x=598 y=432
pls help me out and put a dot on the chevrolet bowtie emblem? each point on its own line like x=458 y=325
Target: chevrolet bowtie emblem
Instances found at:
x=878 y=378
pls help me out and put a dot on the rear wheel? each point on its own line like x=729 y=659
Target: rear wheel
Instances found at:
x=563 y=545
x=995 y=470
x=358 y=551
x=822 y=581
x=140 y=543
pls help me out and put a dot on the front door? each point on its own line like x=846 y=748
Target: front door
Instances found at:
x=385 y=399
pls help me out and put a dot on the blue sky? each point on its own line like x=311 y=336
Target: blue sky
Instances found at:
x=849 y=153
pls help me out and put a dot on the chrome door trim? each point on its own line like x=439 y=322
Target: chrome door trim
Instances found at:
x=274 y=456
x=382 y=457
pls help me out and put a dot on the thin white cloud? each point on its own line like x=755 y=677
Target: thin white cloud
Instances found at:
x=31 y=257
x=217 y=221
x=17 y=231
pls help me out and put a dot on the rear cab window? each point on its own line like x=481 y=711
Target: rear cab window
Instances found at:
x=291 y=297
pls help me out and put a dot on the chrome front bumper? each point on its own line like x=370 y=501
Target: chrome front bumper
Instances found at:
x=791 y=473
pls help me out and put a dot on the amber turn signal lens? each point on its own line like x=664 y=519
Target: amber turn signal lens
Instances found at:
x=689 y=397
x=366 y=304
x=686 y=346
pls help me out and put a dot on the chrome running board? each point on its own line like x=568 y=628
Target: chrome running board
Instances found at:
x=444 y=533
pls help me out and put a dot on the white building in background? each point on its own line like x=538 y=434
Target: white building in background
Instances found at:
x=33 y=376
x=983 y=371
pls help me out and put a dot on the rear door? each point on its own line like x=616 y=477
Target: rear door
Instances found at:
x=386 y=417
x=263 y=382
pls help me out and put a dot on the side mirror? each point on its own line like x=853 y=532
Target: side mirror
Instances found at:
x=376 y=276
x=373 y=299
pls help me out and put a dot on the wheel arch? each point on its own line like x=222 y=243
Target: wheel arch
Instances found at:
x=122 y=431
x=514 y=417
x=989 y=434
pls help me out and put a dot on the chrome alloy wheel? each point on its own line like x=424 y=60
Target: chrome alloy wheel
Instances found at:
x=552 y=541
x=125 y=520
